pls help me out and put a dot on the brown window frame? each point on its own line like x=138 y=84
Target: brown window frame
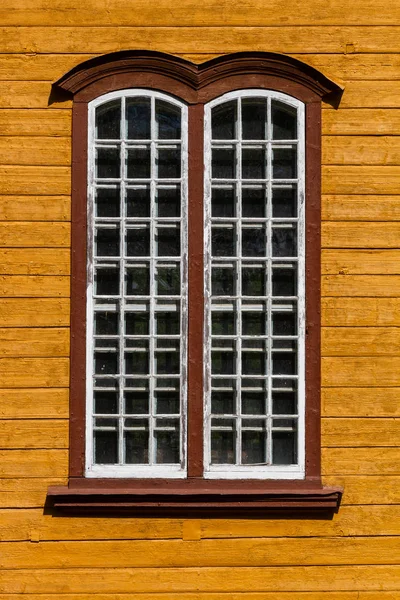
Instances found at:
x=195 y=85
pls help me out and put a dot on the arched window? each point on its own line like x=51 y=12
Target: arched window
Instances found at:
x=195 y=283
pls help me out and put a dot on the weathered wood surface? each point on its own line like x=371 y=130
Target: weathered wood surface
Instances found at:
x=28 y=286
x=34 y=433
x=374 y=286
x=357 y=150
x=34 y=312
x=360 y=312
x=33 y=372
x=364 y=371
x=16 y=180
x=25 y=234
x=360 y=262
x=357 y=341
x=32 y=261
x=194 y=579
x=324 y=595
x=360 y=402
x=35 y=151
x=35 y=208
x=34 y=342
x=34 y=403
x=49 y=122
x=21 y=464
x=360 y=208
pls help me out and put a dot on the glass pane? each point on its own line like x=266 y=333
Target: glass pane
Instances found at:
x=222 y=281
x=108 y=120
x=106 y=447
x=168 y=163
x=253 y=363
x=284 y=323
x=284 y=363
x=168 y=120
x=167 y=403
x=105 y=402
x=168 y=281
x=254 y=280
x=223 y=202
x=107 y=241
x=284 y=403
x=223 y=163
x=254 y=241
x=223 y=447
x=106 y=323
x=254 y=118
x=138 y=163
x=107 y=281
x=253 y=403
x=284 y=448
x=224 y=121
x=284 y=121
x=253 y=323
x=284 y=282
x=253 y=163
x=284 y=163
x=136 y=403
x=137 y=363
x=106 y=363
x=223 y=241
x=168 y=240
x=253 y=447
x=137 y=323
x=167 y=363
x=137 y=447
x=138 y=281
x=284 y=202
x=167 y=444
x=223 y=323
x=284 y=241
x=167 y=323
x=138 y=241
x=107 y=202
x=223 y=363
x=223 y=403
x=108 y=163
x=168 y=202
x=138 y=118
x=254 y=202
x=138 y=202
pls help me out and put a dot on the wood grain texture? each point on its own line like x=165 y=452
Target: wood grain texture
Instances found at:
x=213 y=579
x=16 y=180
x=351 y=371
x=360 y=341
x=26 y=492
x=360 y=312
x=360 y=262
x=359 y=150
x=31 y=286
x=379 y=595
x=360 y=179
x=354 y=121
x=32 y=261
x=35 y=403
x=374 y=286
x=360 y=461
x=360 y=208
x=49 y=122
x=34 y=342
x=34 y=433
x=359 y=235
x=54 y=151
x=35 y=208
x=34 y=312
x=25 y=234
x=360 y=402
x=359 y=432
x=33 y=372
x=28 y=94
x=21 y=464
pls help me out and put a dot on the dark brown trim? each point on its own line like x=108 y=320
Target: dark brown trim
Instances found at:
x=206 y=500
x=196 y=84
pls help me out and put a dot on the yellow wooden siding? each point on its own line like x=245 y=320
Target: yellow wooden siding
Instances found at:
x=355 y=555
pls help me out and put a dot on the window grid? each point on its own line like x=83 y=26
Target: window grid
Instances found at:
x=294 y=420
x=124 y=303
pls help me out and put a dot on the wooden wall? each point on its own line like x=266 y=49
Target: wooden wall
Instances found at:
x=356 y=555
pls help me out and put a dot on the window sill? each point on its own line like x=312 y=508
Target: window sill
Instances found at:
x=199 y=497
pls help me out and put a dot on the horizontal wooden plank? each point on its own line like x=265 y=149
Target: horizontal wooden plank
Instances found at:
x=359 y=235
x=367 y=489
x=375 y=371
x=46 y=403
x=35 y=208
x=360 y=312
x=28 y=180
x=29 y=94
x=214 y=579
x=35 y=151
x=365 y=121
x=355 y=150
x=359 y=341
x=34 y=342
x=27 y=492
x=369 y=94
x=23 y=525
x=210 y=13
x=33 y=372
x=359 y=432
x=359 y=179
x=285 y=39
x=201 y=553
x=49 y=122
x=360 y=402
x=360 y=262
x=378 y=595
x=32 y=261
x=360 y=208
x=25 y=234
x=34 y=286
x=16 y=464
x=361 y=285
x=34 y=433
x=360 y=461
x=34 y=312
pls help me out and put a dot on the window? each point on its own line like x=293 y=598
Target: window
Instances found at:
x=195 y=294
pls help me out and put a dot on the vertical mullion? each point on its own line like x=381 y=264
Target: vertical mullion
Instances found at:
x=183 y=268
x=122 y=280
x=152 y=305
x=239 y=286
x=269 y=284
